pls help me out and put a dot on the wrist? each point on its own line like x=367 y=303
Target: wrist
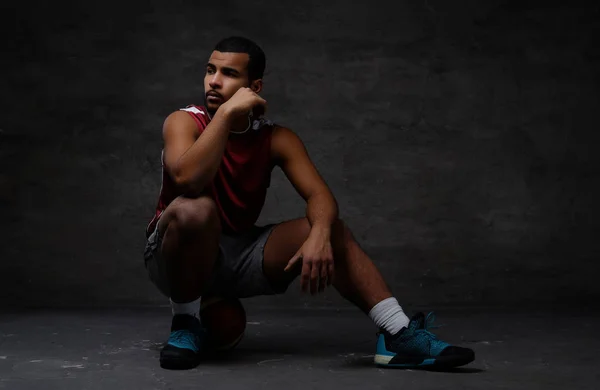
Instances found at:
x=321 y=230
x=226 y=113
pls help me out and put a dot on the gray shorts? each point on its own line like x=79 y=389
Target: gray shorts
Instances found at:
x=238 y=270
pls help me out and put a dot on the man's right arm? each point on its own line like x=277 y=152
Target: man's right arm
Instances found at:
x=191 y=160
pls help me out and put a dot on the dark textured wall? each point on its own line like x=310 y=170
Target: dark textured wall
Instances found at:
x=460 y=139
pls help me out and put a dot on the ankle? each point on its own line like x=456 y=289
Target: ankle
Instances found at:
x=191 y=308
x=388 y=315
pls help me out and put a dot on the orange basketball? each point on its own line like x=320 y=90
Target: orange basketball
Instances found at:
x=225 y=321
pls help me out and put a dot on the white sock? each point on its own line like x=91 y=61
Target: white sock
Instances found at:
x=388 y=315
x=192 y=308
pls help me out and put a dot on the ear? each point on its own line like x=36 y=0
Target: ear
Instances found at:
x=256 y=85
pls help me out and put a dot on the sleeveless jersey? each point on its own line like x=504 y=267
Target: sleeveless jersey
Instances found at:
x=239 y=187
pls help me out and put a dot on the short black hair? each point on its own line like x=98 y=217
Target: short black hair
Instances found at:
x=237 y=44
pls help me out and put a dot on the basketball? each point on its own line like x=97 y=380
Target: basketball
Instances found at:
x=224 y=320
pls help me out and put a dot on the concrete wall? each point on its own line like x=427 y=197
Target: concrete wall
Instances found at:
x=459 y=139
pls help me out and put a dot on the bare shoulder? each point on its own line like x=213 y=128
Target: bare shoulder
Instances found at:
x=179 y=134
x=179 y=123
x=283 y=142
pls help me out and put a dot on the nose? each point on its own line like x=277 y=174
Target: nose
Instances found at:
x=215 y=81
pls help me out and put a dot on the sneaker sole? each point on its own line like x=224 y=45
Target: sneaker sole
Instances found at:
x=182 y=359
x=170 y=363
x=442 y=362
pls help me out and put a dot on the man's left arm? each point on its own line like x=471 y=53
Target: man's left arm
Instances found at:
x=321 y=212
x=291 y=155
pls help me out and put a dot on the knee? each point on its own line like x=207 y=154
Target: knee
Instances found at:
x=196 y=215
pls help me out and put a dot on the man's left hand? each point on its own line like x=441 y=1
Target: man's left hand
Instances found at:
x=316 y=255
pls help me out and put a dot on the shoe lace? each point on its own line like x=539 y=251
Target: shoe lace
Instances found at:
x=184 y=337
x=424 y=328
x=428 y=324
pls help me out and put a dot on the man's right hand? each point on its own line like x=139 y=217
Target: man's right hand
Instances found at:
x=244 y=102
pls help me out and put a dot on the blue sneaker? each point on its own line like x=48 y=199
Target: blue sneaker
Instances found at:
x=416 y=347
x=183 y=351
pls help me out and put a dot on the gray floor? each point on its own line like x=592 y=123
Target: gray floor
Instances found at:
x=118 y=349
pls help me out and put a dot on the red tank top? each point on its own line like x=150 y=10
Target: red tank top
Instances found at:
x=239 y=187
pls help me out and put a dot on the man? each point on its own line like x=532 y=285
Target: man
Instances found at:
x=217 y=162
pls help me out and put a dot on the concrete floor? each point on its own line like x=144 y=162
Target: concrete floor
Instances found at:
x=294 y=349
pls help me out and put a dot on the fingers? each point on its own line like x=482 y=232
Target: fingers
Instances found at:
x=261 y=107
x=256 y=96
x=323 y=277
x=305 y=276
x=250 y=102
x=258 y=105
x=315 y=274
x=310 y=278
x=297 y=257
x=314 y=278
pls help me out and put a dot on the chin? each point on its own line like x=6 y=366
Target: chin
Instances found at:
x=211 y=107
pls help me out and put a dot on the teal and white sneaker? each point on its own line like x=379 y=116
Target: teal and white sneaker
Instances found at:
x=184 y=349
x=416 y=347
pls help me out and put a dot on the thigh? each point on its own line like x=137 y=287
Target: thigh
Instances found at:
x=220 y=283
x=188 y=211
x=283 y=243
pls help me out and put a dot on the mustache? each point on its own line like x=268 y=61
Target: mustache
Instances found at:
x=214 y=93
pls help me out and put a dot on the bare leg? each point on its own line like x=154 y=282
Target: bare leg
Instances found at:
x=190 y=229
x=358 y=280
x=356 y=277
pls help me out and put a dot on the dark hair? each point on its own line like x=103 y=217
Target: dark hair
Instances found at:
x=236 y=44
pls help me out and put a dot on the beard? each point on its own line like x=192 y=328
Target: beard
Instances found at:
x=211 y=110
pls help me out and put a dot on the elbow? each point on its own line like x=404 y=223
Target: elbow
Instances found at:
x=187 y=184
x=180 y=179
x=190 y=182
x=178 y=176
